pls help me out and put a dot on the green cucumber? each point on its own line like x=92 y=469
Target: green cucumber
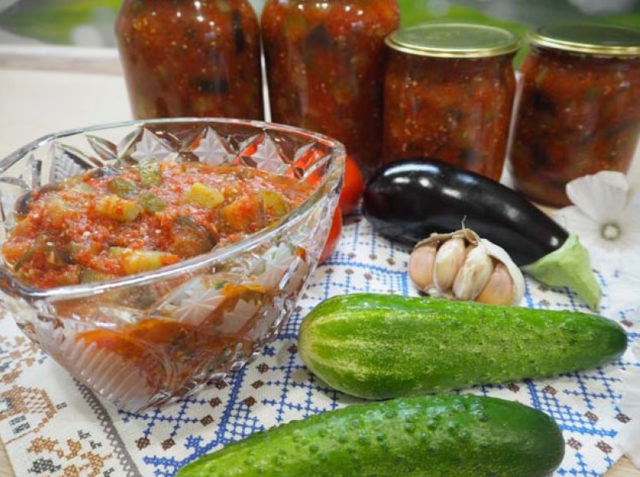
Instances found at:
x=422 y=436
x=381 y=346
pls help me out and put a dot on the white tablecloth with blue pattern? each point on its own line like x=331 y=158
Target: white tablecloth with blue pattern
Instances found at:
x=51 y=425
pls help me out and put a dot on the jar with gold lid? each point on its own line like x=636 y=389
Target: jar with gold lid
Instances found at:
x=579 y=112
x=449 y=91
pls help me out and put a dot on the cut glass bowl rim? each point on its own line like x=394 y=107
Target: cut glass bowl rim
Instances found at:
x=333 y=178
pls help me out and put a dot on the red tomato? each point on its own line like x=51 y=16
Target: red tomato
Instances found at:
x=351 y=188
x=334 y=235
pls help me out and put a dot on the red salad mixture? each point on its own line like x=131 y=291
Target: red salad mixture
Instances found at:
x=325 y=66
x=457 y=110
x=110 y=223
x=191 y=58
x=168 y=353
x=579 y=114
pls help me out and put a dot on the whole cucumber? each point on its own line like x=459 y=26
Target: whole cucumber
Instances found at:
x=448 y=435
x=381 y=346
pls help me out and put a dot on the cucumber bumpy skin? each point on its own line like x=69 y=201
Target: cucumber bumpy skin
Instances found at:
x=382 y=346
x=465 y=436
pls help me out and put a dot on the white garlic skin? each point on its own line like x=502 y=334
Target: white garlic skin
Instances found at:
x=473 y=275
x=462 y=266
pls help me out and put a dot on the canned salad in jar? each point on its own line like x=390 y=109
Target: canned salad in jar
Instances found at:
x=325 y=66
x=191 y=58
x=579 y=112
x=448 y=94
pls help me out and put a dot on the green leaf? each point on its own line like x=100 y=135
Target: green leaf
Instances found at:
x=53 y=21
x=569 y=266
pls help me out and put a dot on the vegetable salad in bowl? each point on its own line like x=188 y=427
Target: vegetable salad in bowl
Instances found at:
x=150 y=257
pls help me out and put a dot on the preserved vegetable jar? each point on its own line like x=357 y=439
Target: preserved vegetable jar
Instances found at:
x=191 y=58
x=325 y=66
x=449 y=91
x=579 y=112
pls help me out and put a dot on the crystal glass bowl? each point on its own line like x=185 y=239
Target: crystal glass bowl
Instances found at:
x=157 y=336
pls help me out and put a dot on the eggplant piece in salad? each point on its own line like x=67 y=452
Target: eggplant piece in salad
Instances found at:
x=409 y=200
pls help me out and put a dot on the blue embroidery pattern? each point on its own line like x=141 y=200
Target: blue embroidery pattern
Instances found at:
x=277 y=388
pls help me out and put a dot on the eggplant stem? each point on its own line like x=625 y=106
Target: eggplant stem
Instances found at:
x=568 y=266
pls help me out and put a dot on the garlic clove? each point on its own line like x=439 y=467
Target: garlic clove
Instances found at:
x=500 y=289
x=449 y=259
x=421 y=264
x=499 y=254
x=473 y=274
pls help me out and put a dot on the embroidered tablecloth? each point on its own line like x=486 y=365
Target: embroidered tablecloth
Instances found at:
x=52 y=425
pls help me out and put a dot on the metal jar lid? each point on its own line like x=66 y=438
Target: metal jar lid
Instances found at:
x=602 y=40
x=453 y=40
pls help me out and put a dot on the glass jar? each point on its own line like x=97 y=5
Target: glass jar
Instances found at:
x=191 y=58
x=325 y=67
x=448 y=94
x=579 y=112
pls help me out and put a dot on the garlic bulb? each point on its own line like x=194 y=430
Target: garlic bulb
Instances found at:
x=462 y=266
